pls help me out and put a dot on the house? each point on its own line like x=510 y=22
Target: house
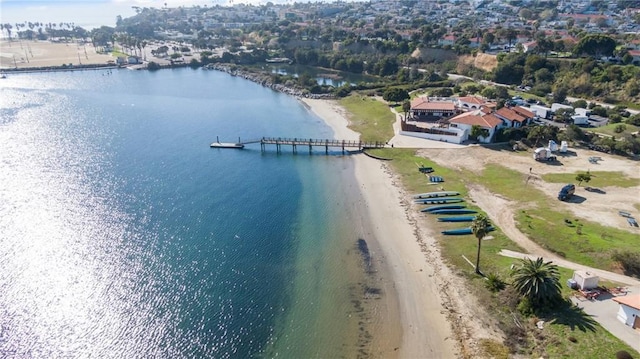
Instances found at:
x=511 y=117
x=529 y=46
x=524 y=112
x=447 y=40
x=134 y=60
x=424 y=110
x=470 y=103
x=467 y=120
x=636 y=55
x=629 y=312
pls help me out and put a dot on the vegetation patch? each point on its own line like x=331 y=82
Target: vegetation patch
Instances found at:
x=613 y=129
x=598 y=179
x=369 y=117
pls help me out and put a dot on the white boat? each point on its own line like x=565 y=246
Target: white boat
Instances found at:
x=436 y=194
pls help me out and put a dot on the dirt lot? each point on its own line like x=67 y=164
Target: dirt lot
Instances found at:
x=601 y=205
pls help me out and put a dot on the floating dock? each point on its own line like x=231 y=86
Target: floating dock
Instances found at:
x=227 y=145
x=219 y=144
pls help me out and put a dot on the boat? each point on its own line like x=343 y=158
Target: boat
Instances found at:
x=436 y=194
x=461 y=231
x=439 y=200
x=446 y=206
x=457 y=219
x=453 y=211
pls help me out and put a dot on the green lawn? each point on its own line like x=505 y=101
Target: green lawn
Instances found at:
x=598 y=179
x=370 y=117
x=610 y=129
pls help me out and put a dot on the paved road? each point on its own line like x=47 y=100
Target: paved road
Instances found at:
x=614 y=277
x=604 y=310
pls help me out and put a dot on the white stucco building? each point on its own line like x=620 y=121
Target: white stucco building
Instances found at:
x=629 y=312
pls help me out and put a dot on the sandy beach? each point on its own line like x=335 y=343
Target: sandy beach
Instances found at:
x=417 y=279
x=26 y=54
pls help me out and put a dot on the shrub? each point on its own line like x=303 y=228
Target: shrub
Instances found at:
x=525 y=307
x=494 y=283
x=623 y=354
x=619 y=128
x=152 y=66
x=630 y=261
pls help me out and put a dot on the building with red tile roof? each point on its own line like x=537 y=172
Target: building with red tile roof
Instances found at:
x=629 y=312
x=512 y=118
x=422 y=109
x=470 y=102
x=466 y=121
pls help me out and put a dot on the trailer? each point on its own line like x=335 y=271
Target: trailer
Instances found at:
x=544 y=154
x=541 y=111
x=580 y=120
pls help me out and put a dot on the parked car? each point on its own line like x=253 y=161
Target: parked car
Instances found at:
x=566 y=192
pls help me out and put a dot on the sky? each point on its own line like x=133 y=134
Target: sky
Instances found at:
x=92 y=13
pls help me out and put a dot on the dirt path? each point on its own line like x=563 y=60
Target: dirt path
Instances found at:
x=501 y=212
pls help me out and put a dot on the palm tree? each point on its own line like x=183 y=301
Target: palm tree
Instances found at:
x=537 y=280
x=480 y=228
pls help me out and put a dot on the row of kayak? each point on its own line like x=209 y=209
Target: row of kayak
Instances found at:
x=446 y=206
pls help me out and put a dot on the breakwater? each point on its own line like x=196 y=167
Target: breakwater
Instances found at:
x=266 y=80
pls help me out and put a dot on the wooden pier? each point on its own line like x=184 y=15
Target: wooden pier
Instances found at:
x=304 y=142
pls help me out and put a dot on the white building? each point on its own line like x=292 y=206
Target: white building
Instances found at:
x=585 y=280
x=629 y=312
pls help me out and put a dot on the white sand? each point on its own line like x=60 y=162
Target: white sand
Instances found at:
x=24 y=54
x=426 y=332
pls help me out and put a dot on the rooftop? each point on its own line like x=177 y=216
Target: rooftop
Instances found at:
x=632 y=301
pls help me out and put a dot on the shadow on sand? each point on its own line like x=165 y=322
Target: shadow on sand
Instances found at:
x=575 y=199
x=595 y=190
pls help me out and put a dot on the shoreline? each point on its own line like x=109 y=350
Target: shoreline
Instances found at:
x=425 y=327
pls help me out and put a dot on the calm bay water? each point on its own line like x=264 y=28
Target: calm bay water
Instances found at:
x=122 y=234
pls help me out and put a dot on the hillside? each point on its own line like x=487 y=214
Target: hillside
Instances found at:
x=485 y=62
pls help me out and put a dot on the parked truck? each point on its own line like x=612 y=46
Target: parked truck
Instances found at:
x=566 y=192
x=544 y=154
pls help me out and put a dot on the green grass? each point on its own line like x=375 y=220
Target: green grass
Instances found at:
x=546 y=226
x=370 y=117
x=610 y=129
x=598 y=179
x=592 y=247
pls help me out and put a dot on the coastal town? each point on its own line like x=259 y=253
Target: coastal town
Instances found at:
x=509 y=169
